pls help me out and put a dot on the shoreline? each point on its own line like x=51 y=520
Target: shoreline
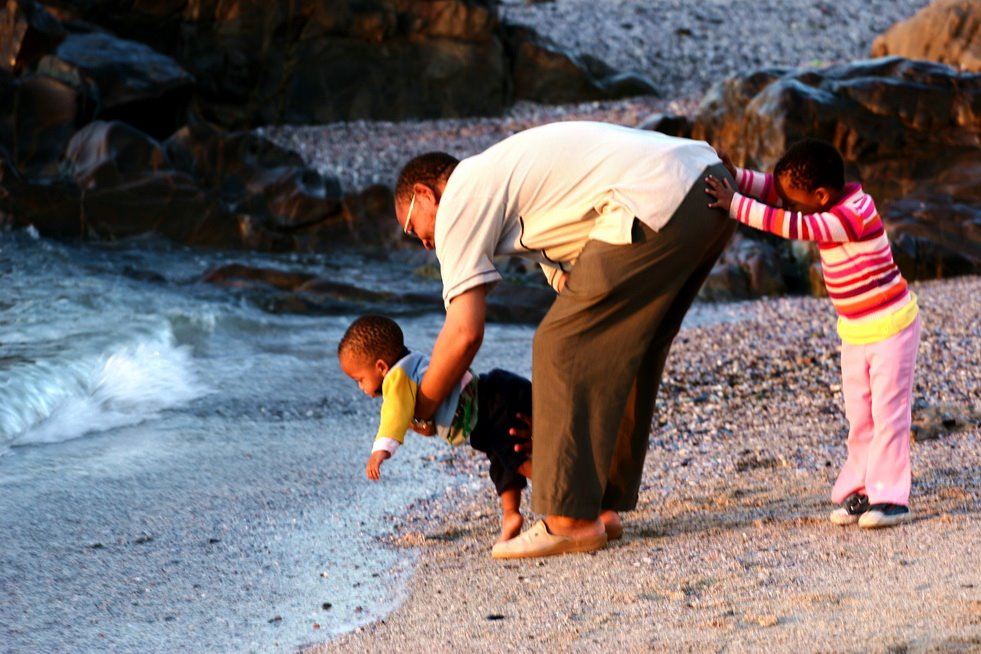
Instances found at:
x=730 y=547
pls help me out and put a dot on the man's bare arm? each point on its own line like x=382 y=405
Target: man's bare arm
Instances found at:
x=455 y=348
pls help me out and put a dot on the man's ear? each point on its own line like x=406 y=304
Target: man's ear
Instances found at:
x=381 y=367
x=423 y=189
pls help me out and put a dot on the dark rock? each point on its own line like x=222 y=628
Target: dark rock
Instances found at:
x=670 y=124
x=27 y=32
x=104 y=154
x=373 y=221
x=168 y=203
x=518 y=303
x=241 y=276
x=124 y=80
x=281 y=205
x=45 y=115
x=543 y=71
x=889 y=118
x=310 y=63
x=279 y=291
x=726 y=282
x=946 y=31
x=932 y=422
x=51 y=205
x=761 y=264
x=315 y=62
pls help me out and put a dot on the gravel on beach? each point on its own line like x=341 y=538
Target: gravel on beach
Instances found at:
x=730 y=548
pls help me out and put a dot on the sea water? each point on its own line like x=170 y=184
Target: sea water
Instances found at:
x=183 y=471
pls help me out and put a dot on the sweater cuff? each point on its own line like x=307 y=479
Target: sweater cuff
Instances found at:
x=387 y=444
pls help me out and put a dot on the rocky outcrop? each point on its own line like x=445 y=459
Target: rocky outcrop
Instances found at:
x=200 y=187
x=910 y=131
x=240 y=65
x=106 y=134
x=283 y=291
x=542 y=71
x=945 y=31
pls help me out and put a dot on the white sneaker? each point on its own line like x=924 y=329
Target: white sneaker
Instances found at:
x=848 y=513
x=841 y=516
x=884 y=515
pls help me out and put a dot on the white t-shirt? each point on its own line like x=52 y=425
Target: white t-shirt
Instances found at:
x=544 y=192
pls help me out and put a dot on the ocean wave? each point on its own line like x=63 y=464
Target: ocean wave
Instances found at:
x=48 y=400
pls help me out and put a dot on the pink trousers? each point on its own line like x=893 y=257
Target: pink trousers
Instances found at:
x=877 y=381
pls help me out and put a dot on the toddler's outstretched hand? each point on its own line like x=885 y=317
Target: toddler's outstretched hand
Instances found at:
x=721 y=190
x=373 y=469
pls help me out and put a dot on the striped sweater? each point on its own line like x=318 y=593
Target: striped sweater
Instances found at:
x=868 y=291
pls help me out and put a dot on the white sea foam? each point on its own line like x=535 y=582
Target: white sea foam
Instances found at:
x=57 y=400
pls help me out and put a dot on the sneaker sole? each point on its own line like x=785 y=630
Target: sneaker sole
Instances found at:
x=842 y=520
x=876 y=520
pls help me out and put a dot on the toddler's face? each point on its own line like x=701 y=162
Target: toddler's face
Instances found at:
x=366 y=373
x=797 y=199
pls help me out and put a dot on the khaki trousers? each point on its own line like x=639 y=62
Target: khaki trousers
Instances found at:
x=599 y=353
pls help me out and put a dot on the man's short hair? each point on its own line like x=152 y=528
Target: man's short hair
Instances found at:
x=373 y=337
x=812 y=164
x=429 y=169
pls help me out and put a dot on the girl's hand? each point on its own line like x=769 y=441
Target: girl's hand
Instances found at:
x=721 y=191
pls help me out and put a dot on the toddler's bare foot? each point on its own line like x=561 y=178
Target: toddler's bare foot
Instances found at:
x=511 y=525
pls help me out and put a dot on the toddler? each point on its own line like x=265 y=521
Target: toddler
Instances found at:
x=807 y=198
x=485 y=409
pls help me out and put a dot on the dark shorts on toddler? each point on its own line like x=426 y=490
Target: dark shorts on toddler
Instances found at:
x=500 y=396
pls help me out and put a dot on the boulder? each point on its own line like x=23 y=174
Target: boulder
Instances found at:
x=123 y=80
x=373 y=222
x=167 y=203
x=670 y=124
x=946 y=31
x=27 y=32
x=104 y=154
x=542 y=71
x=281 y=291
x=725 y=283
x=281 y=204
x=256 y=63
x=889 y=118
x=45 y=112
x=51 y=205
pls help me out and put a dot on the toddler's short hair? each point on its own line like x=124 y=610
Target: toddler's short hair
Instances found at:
x=812 y=164
x=375 y=337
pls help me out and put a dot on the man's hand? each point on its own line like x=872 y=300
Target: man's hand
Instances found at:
x=721 y=191
x=373 y=469
x=522 y=435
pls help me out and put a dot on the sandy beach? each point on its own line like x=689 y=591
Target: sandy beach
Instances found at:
x=730 y=548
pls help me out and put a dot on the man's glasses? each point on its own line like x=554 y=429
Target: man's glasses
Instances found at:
x=407 y=227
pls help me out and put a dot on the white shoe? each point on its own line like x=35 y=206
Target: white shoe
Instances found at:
x=884 y=515
x=842 y=517
x=848 y=513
